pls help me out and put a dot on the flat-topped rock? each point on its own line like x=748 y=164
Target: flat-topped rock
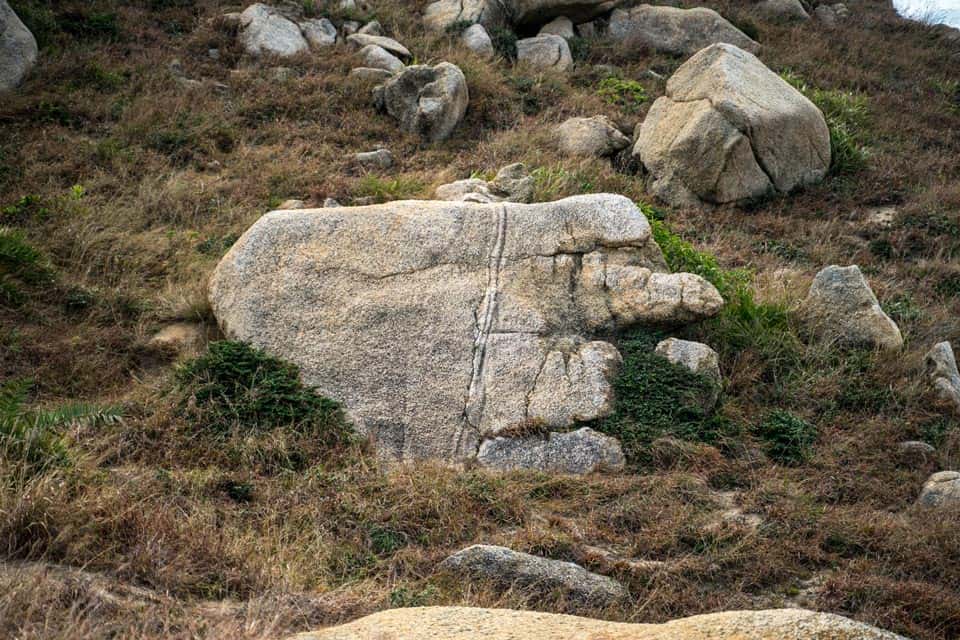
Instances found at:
x=464 y=623
x=440 y=324
x=673 y=30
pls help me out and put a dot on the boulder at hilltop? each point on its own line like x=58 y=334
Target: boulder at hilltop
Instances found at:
x=464 y=623
x=429 y=101
x=440 y=324
x=842 y=308
x=729 y=130
x=508 y=568
x=676 y=31
x=18 y=48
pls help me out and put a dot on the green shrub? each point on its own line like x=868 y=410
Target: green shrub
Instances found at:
x=458 y=27
x=236 y=387
x=387 y=190
x=656 y=398
x=847 y=119
x=579 y=48
x=32 y=439
x=21 y=264
x=27 y=209
x=504 y=42
x=789 y=438
x=683 y=256
x=629 y=95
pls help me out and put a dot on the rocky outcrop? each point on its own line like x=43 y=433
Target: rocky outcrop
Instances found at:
x=511 y=184
x=544 y=53
x=782 y=11
x=18 y=48
x=507 y=568
x=319 y=33
x=429 y=101
x=942 y=371
x=440 y=15
x=575 y=453
x=266 y=31
x=675 y=31
x=441 y=324
x=476 y=39
x=596 y=137
x=698 y=358
x=463 y=623
x=842 y=309
x=941 y=490
x=729 y=130
x=534 y=12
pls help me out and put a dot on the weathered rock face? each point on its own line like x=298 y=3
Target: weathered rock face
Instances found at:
x=526 y=12
x=676 y=31
x=361 y=40
x=264 y=30
x=445 y=13
x=782 y=11
x=441 y=324
x=491 y=13
x=18 y=48
x=941 y=490
x=478 y=40
x=463 y=623
x=375 y=57
x=506 y=567
x=575 y=453
x=319 y=33
x=429 y=101
x=842 y=308
x=729 y=130
x=545 y=53
x=942 y=370
x=594 y=136
x=562 y=26
x=511 y=184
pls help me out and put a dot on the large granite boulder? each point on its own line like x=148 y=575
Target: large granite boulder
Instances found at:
x=673 y=30
x=18 y=48
x=544 y=53
x=429 y=101
x=265 y=30
x=783 y=11
x=442 y=14
x=942 y=489
x=596 y=136
x=441 y=324
x=729 y=130
x=464 y=623
x=538 y=12
x=942 y=371
x=507 y=568
x=841 y=308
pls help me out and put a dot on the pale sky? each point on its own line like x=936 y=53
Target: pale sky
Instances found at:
x=945 y=11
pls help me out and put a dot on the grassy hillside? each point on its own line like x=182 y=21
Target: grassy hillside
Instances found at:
x=147 y=511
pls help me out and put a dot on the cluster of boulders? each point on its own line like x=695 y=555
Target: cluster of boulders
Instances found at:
x=18 y=48
x=281 y=31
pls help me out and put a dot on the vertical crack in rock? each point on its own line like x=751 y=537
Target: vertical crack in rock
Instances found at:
x=476 y=394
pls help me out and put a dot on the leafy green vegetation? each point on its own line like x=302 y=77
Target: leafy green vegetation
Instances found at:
x=629 y=95
x=389 y=189
x=789 y=438
x=21 y=264
x=33 y=438
x=236 y=387
x=847 y=119
x=29 y=208
x=553 y=183
x=504 y=42
x=656 y=398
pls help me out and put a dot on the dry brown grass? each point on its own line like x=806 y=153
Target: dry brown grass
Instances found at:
x=158 y=530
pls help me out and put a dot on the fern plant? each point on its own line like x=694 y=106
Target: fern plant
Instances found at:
x=34 y=437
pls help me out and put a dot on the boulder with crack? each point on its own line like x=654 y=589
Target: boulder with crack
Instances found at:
x=18 y=48
x=675 y=31
x=439 y=325
x=730 y=130
x=429 y=101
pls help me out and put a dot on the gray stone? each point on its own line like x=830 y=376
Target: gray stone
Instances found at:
x=375 y=57
x=372 y=28
x=441 y=324
x=942 y=371
x=360 y=40
x=429 y=101
x=842 y=309
x=533 y=12
x=369 y=74
x=729 y=130
x=676 y=31
x=596 y=136
x=508 y=568
x=916 y=453
x=18 y=48
x=782 y=11
x=511 y=184
x=697 y=358
x=544 y=53
x=319 y=33
x=941 y=490
x=575 y=453
x=331 y=203
x=831 y=15
x=349 y=27
x=264 y=30
x=562 y=26
x=476 y=39
x=441 y=15
x=379 y=159
x=289 y=205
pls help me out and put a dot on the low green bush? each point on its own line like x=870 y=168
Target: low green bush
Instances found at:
x=789 y=438
x=234 y=387
x=629 y=95
x=504 y=42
